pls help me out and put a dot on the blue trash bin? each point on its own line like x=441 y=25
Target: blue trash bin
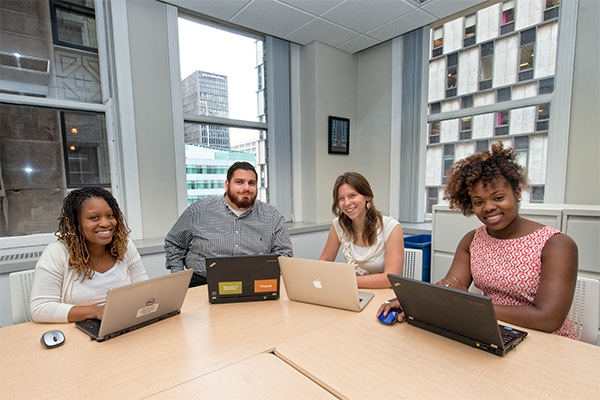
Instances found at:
x=423 y=243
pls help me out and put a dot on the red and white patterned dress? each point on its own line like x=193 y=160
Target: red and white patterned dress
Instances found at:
x=508 y=270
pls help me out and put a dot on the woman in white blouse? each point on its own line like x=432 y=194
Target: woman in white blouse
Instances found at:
x=370 y=241
x=91 y=256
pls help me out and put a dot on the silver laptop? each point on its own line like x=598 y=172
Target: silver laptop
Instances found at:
x=134 y=306
x=324 y=283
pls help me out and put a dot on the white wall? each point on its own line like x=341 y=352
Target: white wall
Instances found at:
x=583 y=167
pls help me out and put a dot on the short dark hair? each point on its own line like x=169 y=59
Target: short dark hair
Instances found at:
x=240 y=165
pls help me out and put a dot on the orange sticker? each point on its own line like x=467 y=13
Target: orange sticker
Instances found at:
x=267 y=285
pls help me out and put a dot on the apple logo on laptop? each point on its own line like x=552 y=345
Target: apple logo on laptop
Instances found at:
x=318 y=284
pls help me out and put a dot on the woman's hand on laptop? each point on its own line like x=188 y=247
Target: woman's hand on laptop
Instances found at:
x=389 y=305
x=81 y=313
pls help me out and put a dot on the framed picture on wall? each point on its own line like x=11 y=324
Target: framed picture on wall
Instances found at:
x=339 y=135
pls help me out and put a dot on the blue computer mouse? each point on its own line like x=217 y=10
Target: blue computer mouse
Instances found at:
x=390 y=319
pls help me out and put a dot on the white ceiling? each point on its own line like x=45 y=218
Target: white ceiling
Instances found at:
x=349 y=25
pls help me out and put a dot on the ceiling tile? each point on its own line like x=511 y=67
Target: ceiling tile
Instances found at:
x=323 y=31
x=402 y=25
x=357 y=44
x=316 y=7
x=365 y=15
x=269 y=17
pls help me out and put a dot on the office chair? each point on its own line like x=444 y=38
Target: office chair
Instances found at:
x=584 y=310
x=413 y=264
x=20 y=291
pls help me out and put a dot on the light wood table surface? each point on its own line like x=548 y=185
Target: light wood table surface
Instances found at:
x=360 y=359
x=204 y=338
x=263 y=377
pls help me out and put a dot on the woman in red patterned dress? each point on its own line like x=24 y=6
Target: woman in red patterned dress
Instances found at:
x=528 y=269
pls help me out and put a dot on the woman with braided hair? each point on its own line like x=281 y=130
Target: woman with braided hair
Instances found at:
x=528 y=269
x=91 y=256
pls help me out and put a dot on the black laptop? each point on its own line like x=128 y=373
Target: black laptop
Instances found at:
x=462 y=316
x=242 y=278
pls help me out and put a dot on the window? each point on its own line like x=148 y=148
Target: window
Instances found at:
x=482 y=145
x=543 y=117
x=435 y=108
x=526 y=54
x=508 y=17
x=465 y=128
x=537 y=194
x=438 y=42
x=470 y=24
x=521 y=147
x=448 y=160
x=222 y=80
x=502 y=119
x=486 y=63
x=432 y=198
x=57 y=138
x=452 y=74
x=546 y=86
x=434 y=132
x=74 y=24
x=552 y=8
x=503 y=94
x=466 y=101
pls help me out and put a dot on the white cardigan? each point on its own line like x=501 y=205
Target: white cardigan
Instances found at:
x=53 y=281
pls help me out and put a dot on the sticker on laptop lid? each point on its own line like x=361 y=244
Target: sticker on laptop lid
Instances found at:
x=142 y=312
x=230 y=287
x=265 y=285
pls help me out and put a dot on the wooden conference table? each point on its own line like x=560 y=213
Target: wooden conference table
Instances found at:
x=287 y=350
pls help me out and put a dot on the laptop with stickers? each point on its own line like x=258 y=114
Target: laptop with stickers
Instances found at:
x=466 y=317
x=242 y=278
x=325 y=283
x=131 y=307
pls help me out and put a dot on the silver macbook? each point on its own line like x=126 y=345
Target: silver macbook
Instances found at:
x=134 y=306
x=322 y=282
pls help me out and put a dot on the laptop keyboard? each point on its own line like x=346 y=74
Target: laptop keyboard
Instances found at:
x=508 y=334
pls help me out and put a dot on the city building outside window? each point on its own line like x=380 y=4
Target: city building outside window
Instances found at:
x=438 y=42
x=222 y=80
x=502 y=121
x=54 y=98
x=470 y=26
x=465 y=128
x=507 y=23
x=551 y=10
x=486 y=64
x=526 y=54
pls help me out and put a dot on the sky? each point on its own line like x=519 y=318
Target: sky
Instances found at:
x=213 y=50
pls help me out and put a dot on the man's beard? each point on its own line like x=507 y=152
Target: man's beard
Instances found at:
x=240 y=202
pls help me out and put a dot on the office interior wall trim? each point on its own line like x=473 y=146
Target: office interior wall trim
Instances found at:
x=130 y=198
x=396 y=116
x=411 y=154
x=177 y=108
x=279 y=162
x=296 y=132
x=560 y=119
